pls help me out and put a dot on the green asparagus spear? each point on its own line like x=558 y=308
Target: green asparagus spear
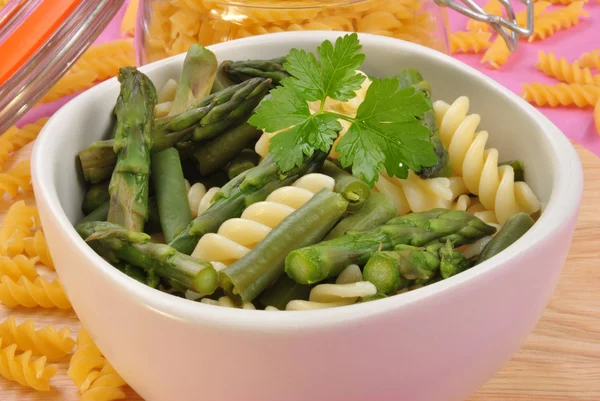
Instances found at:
x=355 y=190
x=171 y=193
x=95 y=196
x=216 y=153
x=251 y=186
x=99 y=159
x=513 y=229
x=452 y=262
x=378 y=210
x=222 y=81
x=243 y=70
x=375 y=297
x=282 y=292
x=197 y=77
x=133 y=140
x=246 y=160
x=518 y=168
x=327 y=259
x=250 y=275
x=118 y=245
x=99 y=214
x=152 y=226
x=138 y=274
x=412 y=78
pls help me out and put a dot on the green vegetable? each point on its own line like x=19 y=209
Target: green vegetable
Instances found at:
x=514 y=228
x=251 y=186
x=95 y=196
x=197 y=77
x=375 y=297
x=171 y=193
x=243 y=70
x=216 y=153
x=215 y=113
x=133 y=140
x=518 y=167
x=246 y=160
x=152 y=226
x=118 y=245
x=252 y=274
x=378 y=210
x=99 y=214
x=386 y=133
x=354 y=190
x=327 y=259
x=222 y=81
x=136 y=273
x=282 y=292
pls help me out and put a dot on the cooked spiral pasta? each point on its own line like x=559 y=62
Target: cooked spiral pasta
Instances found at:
x=19 y=177
x=70 y=83
x=17 y=267
x=348 y=288
x=36 y=246
x=15 y=138
x=31 y=294
x=106 y=59
x=236 y=237
x=167 y=92
x=561 y=94
x=550 y=65
x=469 y=42
x=49 y=342
x=590 y=59
x=478 y=166
x=200 y=199
x=556 y=20
x=228 y=303
x=493 y=7
x=21 y=369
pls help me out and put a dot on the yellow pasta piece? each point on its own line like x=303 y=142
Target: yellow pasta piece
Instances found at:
x=49 y=342
x=562 y=70
x=15 y=138
x=17 y=267
x=493 y=7
x=561 y=94
x=590 y=59
x=18 y=178
x=105 y=60
x=556 y=20
x=21 y=369
x=597 y=116
x=36 y=246
x=20 y=219
x=130 y=18
x=70 y=83
x=31 y=294
x=467 y=42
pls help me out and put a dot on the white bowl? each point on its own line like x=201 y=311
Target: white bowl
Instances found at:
x=438 y=343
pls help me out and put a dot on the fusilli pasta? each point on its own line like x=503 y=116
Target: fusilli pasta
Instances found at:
x=200 y=199
x=129 y=19
x=17 y=267
x=47 y=341
x=478 y=166
x=493 y=7
x=561 y=94
x=590 y=59
x=31 y=294
x=70 y=83
x=20 y=219
x=562 y=70
x=21 y=369
x=19 y=177
x=106 y=59
x=466 y=42
x=236 y=237
x=15 y=138
x=36 y=246
x=556 y=20
x=597 y=116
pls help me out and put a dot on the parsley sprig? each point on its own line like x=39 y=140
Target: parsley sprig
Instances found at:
x=386 y=134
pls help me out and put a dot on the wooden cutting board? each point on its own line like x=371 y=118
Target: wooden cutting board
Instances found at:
x=559 y=362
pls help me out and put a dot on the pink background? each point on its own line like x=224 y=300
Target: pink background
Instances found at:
x=577 y=124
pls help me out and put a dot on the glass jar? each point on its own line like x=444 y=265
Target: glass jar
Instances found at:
x=169 y=27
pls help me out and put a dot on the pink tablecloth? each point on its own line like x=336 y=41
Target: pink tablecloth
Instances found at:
x=576 y=124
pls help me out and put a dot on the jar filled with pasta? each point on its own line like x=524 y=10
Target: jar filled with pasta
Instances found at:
x=169 y=27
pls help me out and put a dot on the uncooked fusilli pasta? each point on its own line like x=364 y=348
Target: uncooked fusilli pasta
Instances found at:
x=590 y=59
x=478 y=166
x=15 y=138
x=21 y=369
x=556 y=20
x=561 y=94
x=70 y=83
x=129 y=19
x=15 y=179
x=236 y=237
x=106 y=59
x=17 y=267
x=469 y=42
x=31 y=294
x=20 y=219
x=597 y=116
x=49 y=342
x=493 y=7
x=36 y=246
x=562 y=70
